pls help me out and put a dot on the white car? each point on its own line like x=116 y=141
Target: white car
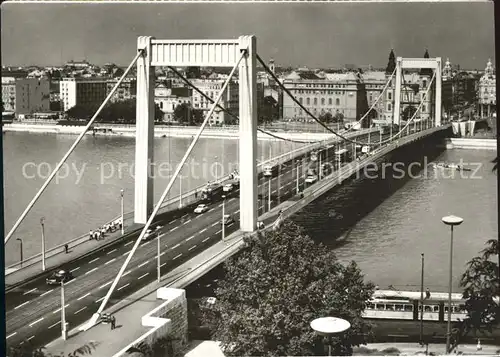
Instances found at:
x=268 y=171
x=311 y=179
x=201 y=208
x=228 y=187
x=148 y=234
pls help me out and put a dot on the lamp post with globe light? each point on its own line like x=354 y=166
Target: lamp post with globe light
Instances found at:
x=328 y=326
x=450 y=221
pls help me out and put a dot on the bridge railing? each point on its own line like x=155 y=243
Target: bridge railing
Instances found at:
x=187 y=198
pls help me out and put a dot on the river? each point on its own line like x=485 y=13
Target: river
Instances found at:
x=87 y=194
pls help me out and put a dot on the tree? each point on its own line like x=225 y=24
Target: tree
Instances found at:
x=326 y=117
x=161 y=347
x=181 y=113
x=481 y=283
x=268 y=110
x=82 y=111
x=339 y=117
x=27 y=350
x=277 y=285
x=197 y=117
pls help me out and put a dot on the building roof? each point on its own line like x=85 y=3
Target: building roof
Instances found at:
x=341 y=77
x=374 y=76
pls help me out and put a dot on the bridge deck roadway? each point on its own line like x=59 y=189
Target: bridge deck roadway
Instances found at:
x=33 y=309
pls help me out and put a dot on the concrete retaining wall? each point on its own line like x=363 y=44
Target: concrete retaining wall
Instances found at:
x=169 y=320
x=471 y=143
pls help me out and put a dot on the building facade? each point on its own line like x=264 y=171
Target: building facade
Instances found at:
x=127 y=89
x=83 y=91
x=332 y=93
x=212 y=88
x=487 y=95
x=169 y=98
x=25 y=96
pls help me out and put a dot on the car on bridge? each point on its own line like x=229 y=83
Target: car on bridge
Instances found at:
x=59 y=276
x=148 y=234
x=201 y=208
x=228 y=187
x=311 y=179
x=227 y=220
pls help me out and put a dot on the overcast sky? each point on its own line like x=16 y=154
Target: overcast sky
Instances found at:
x=314 y=35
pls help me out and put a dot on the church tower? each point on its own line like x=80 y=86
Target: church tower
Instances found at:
x=391 y=65
x=447 y=71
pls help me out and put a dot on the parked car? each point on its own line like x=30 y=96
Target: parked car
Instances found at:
x=201 y=208
x=311 y=179
x=59 y=276
x=228 y=187
x=227 y=220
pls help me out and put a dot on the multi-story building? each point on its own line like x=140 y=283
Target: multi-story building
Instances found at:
x=169 y=98
x=334 y=93
x=25 y=96
x=375 y=82
x=487 y=95
x=126 y=90
x=212 y=88
x=84 y=91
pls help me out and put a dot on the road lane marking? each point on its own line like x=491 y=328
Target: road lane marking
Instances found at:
x=114 y=250
x=18 y=306
x=83 y=297
x=142 y=276
x=83 y=308
x=74 y=269
x=104 y=285
x=59 y=309
x=203 y=230
x=237 y=211
x=100 y=299
x=220 y=205
x=163 y=265
x=45 y=293
x=147 y=242
x=173 y=220
x=93 y=260
x=141 y=265
x=273 y=191
x=175 y=246
x=190 y=238
x=12 y=334
x=177 y=256
x=173 y=229
x=35 y=322
x=189 y=220
x=124 y=286
x=218 y=231
x=204 y=240
x=90 y=271
x=126 y=252
x=162 y=254
x=231 y=199
x=27 y=292
x=128 y=243
x=194 y=246
x=127 y=273
x=29 y=338
x=54 y=325
x=216 y=223
x=109 y=261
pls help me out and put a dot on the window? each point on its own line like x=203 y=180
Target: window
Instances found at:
x=330 y=101
x=423 y=108
x=308 y=101
x=315 y=101
x=424 y=83
x=337 y=101
x=300 y=100
x=389 y=107
x=322 y=101
x=389 y=95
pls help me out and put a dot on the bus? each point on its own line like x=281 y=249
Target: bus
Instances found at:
x=341 y=157
x=212 y=192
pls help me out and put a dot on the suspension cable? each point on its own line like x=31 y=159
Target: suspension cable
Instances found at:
x=162 y=198
x=185 y=80
x=68 y=153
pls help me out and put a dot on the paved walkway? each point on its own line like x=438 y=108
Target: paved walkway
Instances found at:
x=438 y=349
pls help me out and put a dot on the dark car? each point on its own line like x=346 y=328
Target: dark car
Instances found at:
x=59 y=276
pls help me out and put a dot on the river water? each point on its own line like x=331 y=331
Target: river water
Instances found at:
x=384 y=222
x=87 y=194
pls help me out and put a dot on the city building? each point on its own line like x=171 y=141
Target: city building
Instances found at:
x=334 y=93
x=169 y=98
x=84 y=91
x=25 y=96
x=229 y=100
x=375 y=82
x=487 y=95
x=126 y=90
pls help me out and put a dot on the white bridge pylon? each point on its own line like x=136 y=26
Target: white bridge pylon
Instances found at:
x=203 y=53
x=431 y=63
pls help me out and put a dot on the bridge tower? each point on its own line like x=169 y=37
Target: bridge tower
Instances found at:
x=419 y=63
x=203 y=53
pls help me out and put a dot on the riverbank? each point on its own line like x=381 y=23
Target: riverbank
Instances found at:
x=160 y=131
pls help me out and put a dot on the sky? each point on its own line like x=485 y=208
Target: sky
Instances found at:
x=305 y=34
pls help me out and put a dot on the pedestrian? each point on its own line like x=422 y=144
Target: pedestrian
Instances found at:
x=195 y=194
x=113 y=322
x=66 y=248
x=91 y=235
x=427 y=294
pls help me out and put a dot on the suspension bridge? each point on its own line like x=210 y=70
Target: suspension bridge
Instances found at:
x=106 y=276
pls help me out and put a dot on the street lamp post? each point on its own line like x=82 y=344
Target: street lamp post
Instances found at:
x=64 y=332
x=216 y=170
x=223 y=213
x=21 y=250
x=42 y=221
x=297 y=180
x=450 y=221
x=180 y=191
x=158 y=253
x=422 y=302
x=328 y=326
x=123 y=221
